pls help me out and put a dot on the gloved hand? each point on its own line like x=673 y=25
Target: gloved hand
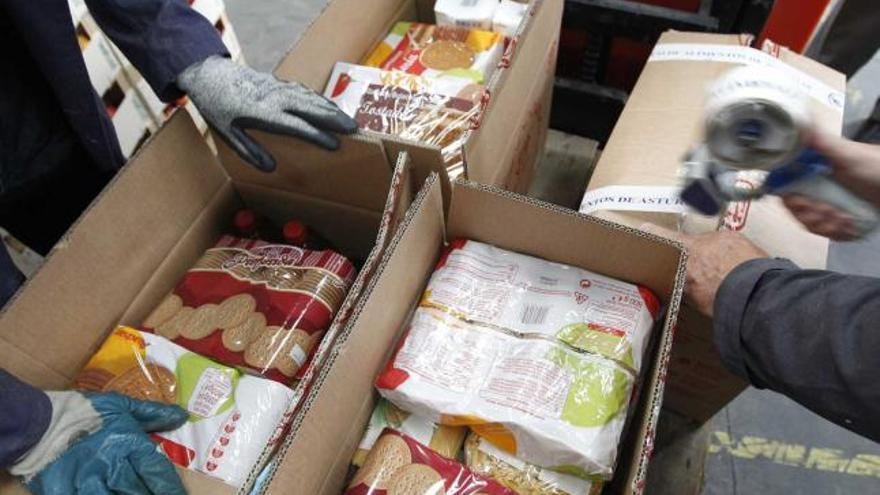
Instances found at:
x=96 y=444
x=233 y=98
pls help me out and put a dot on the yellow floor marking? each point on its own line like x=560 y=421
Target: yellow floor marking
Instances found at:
x=793 y=454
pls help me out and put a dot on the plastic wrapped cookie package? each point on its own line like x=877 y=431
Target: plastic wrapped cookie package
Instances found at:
x=439 y=51
x=436 y=111
x=258 y=306
x=233 y=415
x=399 y=465
x=538 y=399
x=534 y=297
x=523 y=478
x=443 y=439
x=539 y=358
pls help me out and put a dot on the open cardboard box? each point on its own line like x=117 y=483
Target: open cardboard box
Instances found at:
x=503 y=147
x=330 y=423
x=663 y=119
x=169 y=204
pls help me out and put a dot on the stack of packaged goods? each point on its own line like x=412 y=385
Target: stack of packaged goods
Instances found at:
x=426 y=82
x=536 y=361
x=228 y=342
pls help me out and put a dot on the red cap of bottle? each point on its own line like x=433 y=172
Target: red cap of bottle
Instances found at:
x=294 y=233
x=245 y=221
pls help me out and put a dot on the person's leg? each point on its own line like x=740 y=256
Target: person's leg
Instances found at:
x=854 y=36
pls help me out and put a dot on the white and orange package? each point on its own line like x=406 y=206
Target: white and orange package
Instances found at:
x=531 y=296
x=538 y=358
x=232 y=416
x=439 y=51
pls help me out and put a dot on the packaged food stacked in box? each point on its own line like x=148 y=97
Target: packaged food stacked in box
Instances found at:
x=249 y=313
x=538 y=359
x=463 y=85
x=522 y=368
x=425 y=82
x=218 y=291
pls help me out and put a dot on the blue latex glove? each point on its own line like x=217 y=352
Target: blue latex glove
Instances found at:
x=97 y=444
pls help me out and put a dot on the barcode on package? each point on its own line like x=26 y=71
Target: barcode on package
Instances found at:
x=534 y=315
x=468 y=3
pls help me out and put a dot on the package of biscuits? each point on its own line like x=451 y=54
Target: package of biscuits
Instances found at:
x=432 y=111
x=439 y=51
x=399 y=465
x=539 y=399
x=232 y=416
x=259 y=306
x=444 y=439
x=523 y=478
x=539 y=358
x=534 y=297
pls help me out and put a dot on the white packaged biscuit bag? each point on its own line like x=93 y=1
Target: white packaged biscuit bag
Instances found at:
x=475 y=14
x=443 y=439
x=525 y=479
x=537 y=298
x=233 y=416
x=537 y=357
x=536 y=398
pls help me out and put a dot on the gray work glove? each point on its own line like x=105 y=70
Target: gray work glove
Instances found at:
x=233 y=98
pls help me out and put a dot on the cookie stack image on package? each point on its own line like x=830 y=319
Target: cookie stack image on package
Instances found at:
x=536 y=361
x=227 y=344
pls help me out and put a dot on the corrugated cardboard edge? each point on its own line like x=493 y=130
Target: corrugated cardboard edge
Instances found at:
x=653 y=397
x=342 y=325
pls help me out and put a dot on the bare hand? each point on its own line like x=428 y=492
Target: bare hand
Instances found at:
x=856 y=167
x=711 y=257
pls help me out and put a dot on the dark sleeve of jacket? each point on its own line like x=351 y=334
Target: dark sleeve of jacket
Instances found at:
x=160 y=37
x=24 y=417
x=811 y=335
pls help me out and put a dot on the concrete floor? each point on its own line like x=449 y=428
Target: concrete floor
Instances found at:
x=762 y=442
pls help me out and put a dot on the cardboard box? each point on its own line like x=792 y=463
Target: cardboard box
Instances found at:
x=347 y=30
x=169 y=204
x=326 y=431
x=636 y=180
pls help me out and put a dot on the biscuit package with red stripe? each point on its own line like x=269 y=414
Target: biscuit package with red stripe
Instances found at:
x=258 y=306
x=399 y=465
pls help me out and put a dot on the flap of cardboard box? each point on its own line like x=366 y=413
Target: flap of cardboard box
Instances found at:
x=359 y=177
